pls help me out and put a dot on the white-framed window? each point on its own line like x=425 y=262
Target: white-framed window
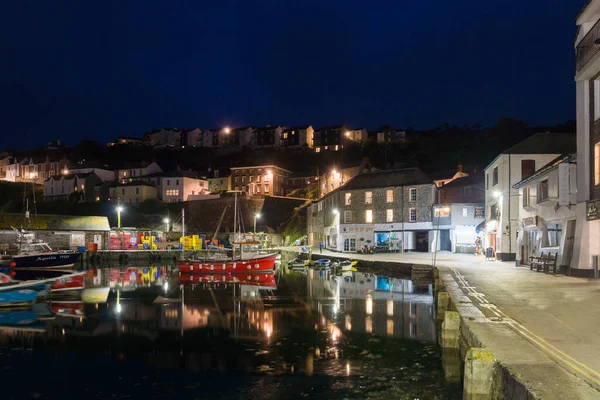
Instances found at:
x=465 y=212
x=236 y=179
x=172 y=192
x=597 y=163
x=368 y=216
x=317 y=149
x=320 y=206
x=412 y=214
x=389 y=215
x=347 y=199
x=389 y=196
x=467 y=191
x=596 y=100
x=266 y=188
x=543 y=193
x=251 y=178
x=368 y=197
x=347 y=217
x=258 y=178
x=243 y=179
x=412 y=195
x=267 y=178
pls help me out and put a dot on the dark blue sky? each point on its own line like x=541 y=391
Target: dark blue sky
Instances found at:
x=79 y=69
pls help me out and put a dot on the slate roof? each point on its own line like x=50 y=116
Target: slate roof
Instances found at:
x=56 y=222
x=543 y=143
x=82 y=175
x=466 y=181
x=389 y=178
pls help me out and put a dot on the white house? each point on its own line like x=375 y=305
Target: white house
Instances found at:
x=547 y=211
x=169 y=137
x=71 y=186
x=587 y=84
x=181 y=186
x=106 y=175
x=501 y=198
x=137 y=171
x=191 y=137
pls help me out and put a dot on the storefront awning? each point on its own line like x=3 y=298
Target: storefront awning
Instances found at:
x=480 y=228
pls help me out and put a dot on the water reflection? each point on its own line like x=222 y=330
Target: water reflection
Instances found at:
x=359 y=327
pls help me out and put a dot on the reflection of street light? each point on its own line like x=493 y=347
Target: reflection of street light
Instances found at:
x=256 y=216
x=119 y=209
x=166 y=221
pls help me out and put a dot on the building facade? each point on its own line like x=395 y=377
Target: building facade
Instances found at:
x=389 y=209
x=587 y=84
x=37 y=170
x=269 y=180
x=387 y=134
x=333 y=138
x=502 y=199
x=132 y=192
x=134 y=172
x=547 y=213
x=163 y=137
x=297 y=136
x=73 y=186
x=219 y=180
x=268 y=136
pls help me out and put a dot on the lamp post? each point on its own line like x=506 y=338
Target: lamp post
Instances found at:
x=119 y=210
x=256 y=216
x=166 y=221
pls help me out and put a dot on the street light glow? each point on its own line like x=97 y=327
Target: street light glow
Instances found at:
x=257 y=215
x=497 y=194
x=335 y=211
x=119 y=209
x=166 y=220
x=347 y=134
x=227 y=130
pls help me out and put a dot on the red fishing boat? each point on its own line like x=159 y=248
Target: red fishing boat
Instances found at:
x=254 y=279
x=248 y=260
x=69 y=282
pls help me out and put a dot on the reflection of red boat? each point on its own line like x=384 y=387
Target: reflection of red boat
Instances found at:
x=68 y=308
x=239 y=266
x=69 y=282
x=255 y=279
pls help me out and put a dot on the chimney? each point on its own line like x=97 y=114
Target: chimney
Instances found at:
x=459 y=168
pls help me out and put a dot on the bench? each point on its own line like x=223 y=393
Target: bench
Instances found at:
x=544 y=262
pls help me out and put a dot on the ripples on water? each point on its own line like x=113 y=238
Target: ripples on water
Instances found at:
x=291 y=335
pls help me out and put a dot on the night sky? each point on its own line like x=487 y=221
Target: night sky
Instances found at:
x=77 y=69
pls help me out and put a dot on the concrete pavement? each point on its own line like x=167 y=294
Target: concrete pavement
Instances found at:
x=557 y=314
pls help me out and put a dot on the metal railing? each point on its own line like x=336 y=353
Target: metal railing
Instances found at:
x=587 y=47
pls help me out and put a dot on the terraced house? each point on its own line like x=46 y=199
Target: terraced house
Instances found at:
x=390 y=210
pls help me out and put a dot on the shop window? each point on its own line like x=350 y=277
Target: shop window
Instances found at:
x=554 y=232
x=412 y=195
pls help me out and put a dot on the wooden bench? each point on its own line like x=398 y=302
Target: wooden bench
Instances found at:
x=544 y=262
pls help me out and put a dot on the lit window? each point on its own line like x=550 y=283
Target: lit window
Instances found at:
x=442 y=212
x=348 y=199
x=368 y=197
x=266 y=188
x=326 y=147
x=368 y=216
x=390 y=195
x=412 y=214
x=82 y=187
x=258 y=177
x=337 y=147
x=317 y=149
x=412 y=195
x=97 y=198
x=267 y=178
x=347 y=217
x=389 y=215
x=465 y=212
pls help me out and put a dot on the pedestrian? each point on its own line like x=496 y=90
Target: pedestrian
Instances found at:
x=321 y=247
x=478 y=246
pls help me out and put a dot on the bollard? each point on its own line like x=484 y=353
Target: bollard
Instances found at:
x=442 y=304
x=451 y=330
x=479 y=374
x=595 y=262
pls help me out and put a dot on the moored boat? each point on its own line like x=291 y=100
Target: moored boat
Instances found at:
x=247 y=261
x=70 y=282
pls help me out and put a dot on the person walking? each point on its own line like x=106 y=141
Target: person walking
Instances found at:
x=478 y=246
x=321 y=247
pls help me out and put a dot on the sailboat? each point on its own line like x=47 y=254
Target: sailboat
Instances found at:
x=245 y=257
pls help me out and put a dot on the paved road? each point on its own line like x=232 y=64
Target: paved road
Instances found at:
x=560 y=314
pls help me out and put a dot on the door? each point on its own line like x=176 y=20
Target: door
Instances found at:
x=422 y=242
x=445 y=242
x=98 y=241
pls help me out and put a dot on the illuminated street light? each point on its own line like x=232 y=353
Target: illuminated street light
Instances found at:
x=166 y=221
x=256 y=216
x=497 y=194
x=347 y=134
x=119 y=210
x=227 y=130
x=335 y=211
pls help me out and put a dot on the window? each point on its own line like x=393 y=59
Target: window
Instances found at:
x=317 y=149
x=368 y=197
x=137 y=190
x=596 y=100
x=320 y=206
x=337 y=147
x=389 y=195
x=173 y=192
x=465 y=212
x=554 y=232
x=527 y=168
x=495 y=177
x=267 y=178
x=412 y=195
x=216 y=174
x=597 y=164
x=412 y=214
x=251 y=178
x=266 y=187
x=526 y=196
x=177 y=182
x=347 y=217
x=389 y=215
x=82 y=187
x=442 y=212
x=368 y=216
x=168 y=182
x=467 y=191
x=257 y=188
x=243 y=179
x=258 y=178
x=348 y=199
x=123 y=192
x=543 y=191
x=237 y=179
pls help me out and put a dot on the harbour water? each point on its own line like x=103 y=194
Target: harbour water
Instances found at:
x=304 y=334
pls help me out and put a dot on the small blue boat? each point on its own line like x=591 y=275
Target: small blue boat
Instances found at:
x=18 y=296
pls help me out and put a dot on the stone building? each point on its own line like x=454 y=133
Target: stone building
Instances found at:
x=260 y=180
x=389 y=209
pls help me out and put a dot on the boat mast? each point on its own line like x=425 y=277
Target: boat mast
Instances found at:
x=234 y=215
x=182 y=233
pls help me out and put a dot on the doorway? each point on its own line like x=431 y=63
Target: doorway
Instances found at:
x=422 y=241
x=445 y=242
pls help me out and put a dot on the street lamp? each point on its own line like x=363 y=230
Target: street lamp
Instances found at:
x=256 y=216
x=119 y=210
x=227 y=130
